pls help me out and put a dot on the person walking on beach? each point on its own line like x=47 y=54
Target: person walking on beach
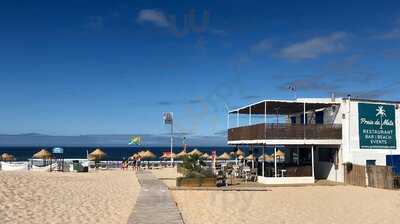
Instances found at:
x=138 y=164
x=134 y=164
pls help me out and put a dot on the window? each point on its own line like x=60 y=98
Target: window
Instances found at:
x=371 y=162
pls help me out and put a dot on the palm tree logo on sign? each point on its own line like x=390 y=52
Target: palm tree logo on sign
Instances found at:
x=381 y=113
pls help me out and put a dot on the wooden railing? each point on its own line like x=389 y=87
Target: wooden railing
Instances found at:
x=285 y=131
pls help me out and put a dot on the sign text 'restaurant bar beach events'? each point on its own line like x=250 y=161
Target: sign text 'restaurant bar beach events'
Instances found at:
x=377 y=126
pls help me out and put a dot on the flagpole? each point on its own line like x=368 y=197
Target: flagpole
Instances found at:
x=172 y=142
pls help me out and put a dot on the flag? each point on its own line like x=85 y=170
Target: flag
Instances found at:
x=134 y=140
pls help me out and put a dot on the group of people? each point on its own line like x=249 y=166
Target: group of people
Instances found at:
x=135 y=164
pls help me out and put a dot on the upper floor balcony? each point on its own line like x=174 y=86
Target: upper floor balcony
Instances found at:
x=276 y=121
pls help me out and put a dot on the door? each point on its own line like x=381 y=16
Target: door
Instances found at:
x=319 y=117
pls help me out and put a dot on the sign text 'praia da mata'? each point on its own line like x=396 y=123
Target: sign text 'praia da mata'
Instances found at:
x=377 y=126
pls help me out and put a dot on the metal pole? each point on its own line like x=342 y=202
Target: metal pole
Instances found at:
x=275 y=163
x=252 y=161
x=265 y=119
x=172 y=142
x=227 y=122
x=237 y=119
x=263 y=154
x=304 y=121
x=250 y=115
x=312 y=160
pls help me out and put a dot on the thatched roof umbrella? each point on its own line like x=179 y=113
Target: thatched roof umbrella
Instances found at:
x=205 y=156
x=250 y=157
x=266 y=158
x=7 y=157
x=279 y=155
x=195 y=152
x=238 y=152
x=181 y=154
x=147 y=154
x=43 y=154
x=97 y=154
x=224 y=156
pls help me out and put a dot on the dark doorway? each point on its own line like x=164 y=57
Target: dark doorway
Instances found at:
x=319 y=117
x=302 y=119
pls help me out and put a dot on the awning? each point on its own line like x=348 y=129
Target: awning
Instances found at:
x=282 y=107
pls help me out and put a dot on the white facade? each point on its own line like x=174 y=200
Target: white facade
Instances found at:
x=347 y=115
x=343 y=111
x=352 y=151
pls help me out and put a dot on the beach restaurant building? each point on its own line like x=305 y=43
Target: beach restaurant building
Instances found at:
x=312 y=138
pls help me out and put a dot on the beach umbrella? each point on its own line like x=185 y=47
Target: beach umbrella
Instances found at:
x=279 y=155
x=97 y=154
x=42 y=154
x=139 y=154
x=7 y=157
x=250 y=157
x=266 y=158
x=205 y=156
x=238 y=152
x=224 y=156
x=147 y=154
x=181 y=154
x=195 y=152
x=168 y=155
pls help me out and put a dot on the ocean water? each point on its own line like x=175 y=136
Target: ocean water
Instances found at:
x=113 y=153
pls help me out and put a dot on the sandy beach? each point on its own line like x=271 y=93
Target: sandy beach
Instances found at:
x=167 y=175
x=42 y=197
x=306 y=204
x=314 y=204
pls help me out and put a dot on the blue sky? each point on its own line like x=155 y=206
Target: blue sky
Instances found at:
x=72 y=68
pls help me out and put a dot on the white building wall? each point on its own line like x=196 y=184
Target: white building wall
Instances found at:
x=350 y=137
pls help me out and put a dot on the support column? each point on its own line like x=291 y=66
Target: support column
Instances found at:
x=227 y=122
x=237 y=119
x=275 y=163
x=265 y=120
x=249 y=115
x=312 y=160
x=252 y=161
x=263 y=166
x=304 y=121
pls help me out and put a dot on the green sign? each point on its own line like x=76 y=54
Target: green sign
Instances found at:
x=377 y=126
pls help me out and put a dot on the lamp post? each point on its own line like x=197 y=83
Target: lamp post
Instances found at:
x=168 y=119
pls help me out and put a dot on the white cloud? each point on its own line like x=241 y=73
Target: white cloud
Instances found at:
x=153 y=16
x=315 y=47
x=262 y=46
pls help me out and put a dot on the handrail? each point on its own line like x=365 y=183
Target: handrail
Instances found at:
x=285 y=131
